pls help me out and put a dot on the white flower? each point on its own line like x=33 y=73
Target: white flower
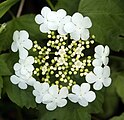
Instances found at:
x=78 y=27
x=100 y=77
x=55 y=18
x=101 y=55
x=40 y=89
x=22 y=43
x=82 y=94
x=78 y=50
x=78 y=64
x=62 y=51
x=22 y=83
x=25 y=67
x=42 y=19
x=44 y=69
x=55 y=97
x=61 y=61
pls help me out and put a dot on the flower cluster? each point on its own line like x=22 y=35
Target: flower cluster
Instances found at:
x=64 y=67
x=24 y=68
x=76 y=25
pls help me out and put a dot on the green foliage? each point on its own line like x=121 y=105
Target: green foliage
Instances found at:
x=107 y=17
x=6 y=5
x=65 y=4
x=121 y=117
x=20 y=97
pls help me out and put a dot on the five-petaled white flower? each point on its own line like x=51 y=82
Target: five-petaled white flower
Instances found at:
x=55 y=97
x=25 y=66
x=78 y=27
x=101 y=55
x=82 y=94
x=22 y=43
x=40 y=89
x=100 y=77
x=21 y=81
x=78 y=64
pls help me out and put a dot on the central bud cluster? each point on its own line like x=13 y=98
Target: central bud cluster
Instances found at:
x=60 y=60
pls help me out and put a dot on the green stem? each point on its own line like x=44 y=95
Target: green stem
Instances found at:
x=20 y=8
x=11 y=14
x=50 y=4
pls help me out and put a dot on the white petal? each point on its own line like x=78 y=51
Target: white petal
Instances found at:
x=66 y=19
x=45 y=11
x=52 y=16
x=61 y=102
x=106 y=71
x=69 y=27
x=27 y=44
x=107 y=82
x=61 y=30
x=44 y=28
x=16 y=35
x=14 y=47
x=22 y=85
x=75 y=35
x=29 y=68
x=87 y=22
x=63 y=92
x=61 y=13
x=85 y=87
x=51 y=106
x=47 y=98
x=23 y=53
x=31 y=81
x=90 y=96
x=14 y=79
x=29 y=60
x=85 y=34
x=53 y=90
x=39 y=19
x=37 y=85
x=73 y=98
x=45 y=87
x=76 y=89
x=38 y=99
x=77 y=19
x=17 y=66
x=83 y=102
x=36 y=93
x=105 y=60
x=98 y=71
x=24 y=34
x=97 y=56
x=97 y=62
x=52 y=25
x=99 y=49
x=91 y=78
x=107 y=50
x=98 y=85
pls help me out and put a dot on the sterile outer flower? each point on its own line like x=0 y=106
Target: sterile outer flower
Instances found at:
x=43 y=20
x=100 y=77
x=82 y=94
x=22 y=83
x=25 y=66
x=22 y=43
x=40 y=89
x=78 y=27
x=101 y=55
x=55 y=18
x=55 y=97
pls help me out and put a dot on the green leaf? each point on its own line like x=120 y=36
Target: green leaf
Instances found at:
x=121 y=117
x=25 y=22
x=6 y=5
x=1 y=85
x=69 y=6
x=107 y=17
x=4 y=70
x=20 y=97
x=120 y=85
